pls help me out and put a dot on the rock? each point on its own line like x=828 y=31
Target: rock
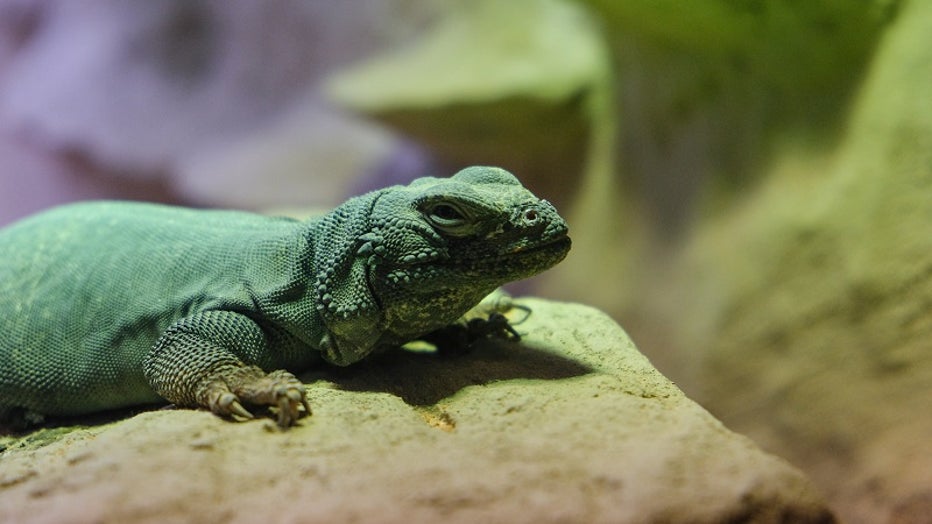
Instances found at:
x=496 y=83
x=312 y=157
x=802 y=318
x=571 y=425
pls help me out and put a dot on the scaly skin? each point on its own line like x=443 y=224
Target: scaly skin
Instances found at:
x=111 y=304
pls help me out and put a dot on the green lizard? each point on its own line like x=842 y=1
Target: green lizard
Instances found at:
x=112 y=304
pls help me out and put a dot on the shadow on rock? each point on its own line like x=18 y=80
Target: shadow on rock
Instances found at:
x=425 y=378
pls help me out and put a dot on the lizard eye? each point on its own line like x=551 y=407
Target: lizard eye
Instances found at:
x=446 y=216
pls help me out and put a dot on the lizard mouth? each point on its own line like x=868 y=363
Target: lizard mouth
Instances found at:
x=515 y=262
x=522 y=260
x=559 y=244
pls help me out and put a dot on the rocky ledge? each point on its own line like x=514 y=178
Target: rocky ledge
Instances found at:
x=572 y=424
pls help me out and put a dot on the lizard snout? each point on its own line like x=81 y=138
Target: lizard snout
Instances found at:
x=537 y=221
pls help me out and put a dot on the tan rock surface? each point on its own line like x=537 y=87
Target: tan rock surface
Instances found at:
x=572 y=425
x=804 y=315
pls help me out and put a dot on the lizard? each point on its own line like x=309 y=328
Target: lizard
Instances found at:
x=112 y=304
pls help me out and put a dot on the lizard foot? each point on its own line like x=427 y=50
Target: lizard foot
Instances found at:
x=279 y=389
x=461 y=336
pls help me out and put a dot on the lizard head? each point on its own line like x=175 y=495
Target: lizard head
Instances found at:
x=478 y=229
x=442 y=244
x=417 y=257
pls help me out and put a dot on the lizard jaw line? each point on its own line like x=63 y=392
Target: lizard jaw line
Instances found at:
x=531 y=248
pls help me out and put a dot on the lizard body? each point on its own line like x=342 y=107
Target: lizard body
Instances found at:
x=113 y=304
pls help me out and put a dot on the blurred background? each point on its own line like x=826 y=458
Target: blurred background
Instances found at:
x=748 y=184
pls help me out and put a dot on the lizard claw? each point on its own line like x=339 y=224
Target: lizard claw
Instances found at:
x=221 y=401
x=278 y=389
x=290 y=396
x=237 y=410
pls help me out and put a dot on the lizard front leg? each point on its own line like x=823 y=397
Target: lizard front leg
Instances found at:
x=209 y=360
x=486 y=321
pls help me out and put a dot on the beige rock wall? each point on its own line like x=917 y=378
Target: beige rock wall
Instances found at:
x=804 y=317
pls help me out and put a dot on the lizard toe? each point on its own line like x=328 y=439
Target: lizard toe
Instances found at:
x=290 y=397
x=221 y=401
x=237 y=411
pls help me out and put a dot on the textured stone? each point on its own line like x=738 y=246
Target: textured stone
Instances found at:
x=572 y=425
x=802 y=318
x=496 y=83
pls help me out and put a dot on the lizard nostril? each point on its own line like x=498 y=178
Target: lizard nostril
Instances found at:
x=531 y=216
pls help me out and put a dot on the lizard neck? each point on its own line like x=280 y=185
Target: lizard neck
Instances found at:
x=285 y=296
